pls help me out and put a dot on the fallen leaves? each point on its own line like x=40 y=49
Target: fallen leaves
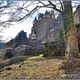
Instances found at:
x=45 y=68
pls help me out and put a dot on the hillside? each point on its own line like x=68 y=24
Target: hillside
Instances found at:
x=34 y=67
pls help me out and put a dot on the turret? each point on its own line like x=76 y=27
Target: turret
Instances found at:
x=22 y=35
x=47 y=14
x=52 y=15
x=40 y=16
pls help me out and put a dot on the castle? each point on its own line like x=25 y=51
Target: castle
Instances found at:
x=46 y=28
x=20 y=39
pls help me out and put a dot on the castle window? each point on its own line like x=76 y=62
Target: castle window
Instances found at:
x=58 y=21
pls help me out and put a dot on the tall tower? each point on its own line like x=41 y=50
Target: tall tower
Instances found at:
x=52 y=15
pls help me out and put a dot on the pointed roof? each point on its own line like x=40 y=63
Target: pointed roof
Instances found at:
x=46 y=13
x=35 y=19
x=40 y=15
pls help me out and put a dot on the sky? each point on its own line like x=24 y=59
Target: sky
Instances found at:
x=26 y=25
x=12 y=31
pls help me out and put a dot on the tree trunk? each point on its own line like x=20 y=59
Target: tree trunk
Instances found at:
x=70 y=32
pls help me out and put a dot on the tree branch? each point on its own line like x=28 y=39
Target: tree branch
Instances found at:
x=54 y=6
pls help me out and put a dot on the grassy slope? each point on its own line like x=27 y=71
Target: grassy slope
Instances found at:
x=34 y=67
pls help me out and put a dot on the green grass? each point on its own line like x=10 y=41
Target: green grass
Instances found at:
x=35 y=57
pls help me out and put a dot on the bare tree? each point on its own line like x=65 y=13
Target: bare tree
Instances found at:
x=20 y=10
x=70 y=31
x=65 y=8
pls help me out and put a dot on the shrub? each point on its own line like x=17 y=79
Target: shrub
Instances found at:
x=16 y=59
x=52 y=50
x=8 y=55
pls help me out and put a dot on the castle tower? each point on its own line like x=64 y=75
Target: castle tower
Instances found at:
x=52 y=15
x=47 y=14
x=40 y=16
